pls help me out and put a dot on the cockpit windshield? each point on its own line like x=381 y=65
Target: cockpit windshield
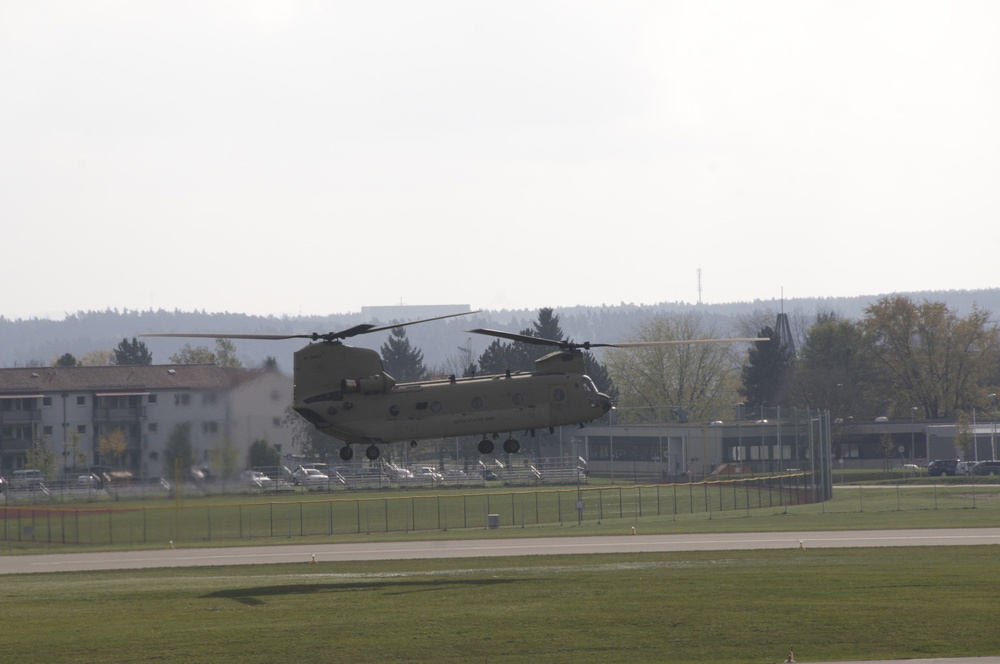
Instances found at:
x=588 y=385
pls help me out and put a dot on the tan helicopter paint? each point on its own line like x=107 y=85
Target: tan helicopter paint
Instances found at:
x=345 y=393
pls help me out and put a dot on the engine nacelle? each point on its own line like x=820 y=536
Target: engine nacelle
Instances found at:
x=377 y=384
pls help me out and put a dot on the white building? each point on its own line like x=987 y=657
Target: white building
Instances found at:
x=69 y=410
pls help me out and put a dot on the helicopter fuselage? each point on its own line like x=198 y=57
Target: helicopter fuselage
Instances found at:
x=344 y=392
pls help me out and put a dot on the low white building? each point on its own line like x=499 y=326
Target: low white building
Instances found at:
x=69 y=410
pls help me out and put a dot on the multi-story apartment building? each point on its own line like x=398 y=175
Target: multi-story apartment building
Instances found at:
x=68 y=411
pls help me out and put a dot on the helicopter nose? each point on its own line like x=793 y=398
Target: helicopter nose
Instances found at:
x=605 y=400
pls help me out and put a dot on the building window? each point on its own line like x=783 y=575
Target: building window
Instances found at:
x=81 y=428
x=81 y=401
x=16 y=433
x=152 y=427
x=209 y=427
x=46 y=401
x=182 y=399
x=118 y=401
x=209 y=398
x=151 y=398
x=47 y=430
x=276 y=422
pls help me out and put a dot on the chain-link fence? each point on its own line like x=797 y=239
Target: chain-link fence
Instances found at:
x=142 y=525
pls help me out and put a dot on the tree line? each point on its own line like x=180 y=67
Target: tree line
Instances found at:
x=901 y=359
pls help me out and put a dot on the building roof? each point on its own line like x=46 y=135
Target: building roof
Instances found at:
x=36 y=380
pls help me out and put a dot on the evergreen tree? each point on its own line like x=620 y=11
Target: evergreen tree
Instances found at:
x=400 y=360
x=547 y=325
x=178 y=454
x=132 y=353
x=66 y=360
x=263 y=454
x=501 y=356
x=767 y=371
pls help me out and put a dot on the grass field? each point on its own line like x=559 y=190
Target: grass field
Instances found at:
x=722 y=607
x=747 y=606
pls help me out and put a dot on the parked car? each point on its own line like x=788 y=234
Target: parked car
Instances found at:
x=991 y=467
x=89 y=481
x=940 y=467
x=257 y=480
x=428 y=473
x=309 y=477
x=965 y=467
x=29 y=478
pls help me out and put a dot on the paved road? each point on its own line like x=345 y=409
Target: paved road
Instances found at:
x=625 y=543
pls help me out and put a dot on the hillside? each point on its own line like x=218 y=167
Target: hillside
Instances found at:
x=40 y=341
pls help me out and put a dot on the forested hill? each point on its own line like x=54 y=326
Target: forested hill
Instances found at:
x=37 y=342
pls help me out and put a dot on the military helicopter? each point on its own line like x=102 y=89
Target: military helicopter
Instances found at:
x=345 y=392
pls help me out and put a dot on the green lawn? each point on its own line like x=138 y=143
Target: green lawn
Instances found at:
x=747 y=606
x=738 y=607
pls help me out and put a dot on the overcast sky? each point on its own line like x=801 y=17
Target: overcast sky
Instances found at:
x=316 y=157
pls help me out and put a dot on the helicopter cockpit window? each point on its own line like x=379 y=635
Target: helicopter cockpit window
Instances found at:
x=588 y=385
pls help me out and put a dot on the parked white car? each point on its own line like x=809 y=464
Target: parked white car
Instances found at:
x=257 y=480
x=309 y=477
x=428 y=473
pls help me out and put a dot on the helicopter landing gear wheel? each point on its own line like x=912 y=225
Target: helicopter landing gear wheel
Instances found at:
x=413 y=444
x=346 y=453
x=372 y=452
x=511 y=446
x=485 y=446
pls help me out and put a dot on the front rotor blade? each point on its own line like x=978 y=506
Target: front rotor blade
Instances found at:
x=203 y=335
x=422 y=320
x=514 y=336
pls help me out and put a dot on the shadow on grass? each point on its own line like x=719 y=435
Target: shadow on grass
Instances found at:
x=255 y=596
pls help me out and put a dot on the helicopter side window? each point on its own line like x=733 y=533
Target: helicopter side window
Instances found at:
x=394 y=410
x=517 y=398
x=436 y=406
x=558 y=394
x=477 y=402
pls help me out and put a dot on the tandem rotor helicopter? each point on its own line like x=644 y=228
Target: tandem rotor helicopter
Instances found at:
x=344 y=391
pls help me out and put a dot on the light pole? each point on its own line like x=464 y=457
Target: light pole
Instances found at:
x=913 y=414
x=993 y=427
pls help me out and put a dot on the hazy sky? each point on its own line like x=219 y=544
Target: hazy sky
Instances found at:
x=315 y=157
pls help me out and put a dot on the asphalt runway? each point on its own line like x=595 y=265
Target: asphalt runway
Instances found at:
x=624 y=543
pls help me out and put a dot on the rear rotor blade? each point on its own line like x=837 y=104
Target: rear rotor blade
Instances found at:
x=586 y=345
